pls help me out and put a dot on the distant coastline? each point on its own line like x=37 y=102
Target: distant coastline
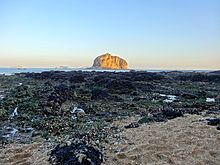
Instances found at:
x=13 y=70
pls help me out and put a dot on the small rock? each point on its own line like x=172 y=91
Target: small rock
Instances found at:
x=82 y=157
x=162 y=95
x=78 y=112
x=29 y=129
x=15 y=112
x=1 y=96
x=68 y=143
x=132 y=125
x=121 y=156
x=210 y=100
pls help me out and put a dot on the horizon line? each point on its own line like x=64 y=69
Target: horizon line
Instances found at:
x=156 y=68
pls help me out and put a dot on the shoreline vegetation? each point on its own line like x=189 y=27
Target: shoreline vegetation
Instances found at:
x=132 y=117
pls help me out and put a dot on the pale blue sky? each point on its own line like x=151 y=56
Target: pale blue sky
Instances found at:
x=162 y=34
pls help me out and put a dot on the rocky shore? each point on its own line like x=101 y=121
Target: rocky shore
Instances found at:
x=109 y=117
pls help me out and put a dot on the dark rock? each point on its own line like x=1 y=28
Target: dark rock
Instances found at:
x=171 y=113
x=199 y=77
x=215 y=72
x=193 y=111
x=61 y=94
x=145 y=119
x=77 y=79
x=120 y=86
x=218 y=128
x=159 y=117
x=138 y=98
x=213 y=121
x=213 y=111
x=167 y=114
x=143 y=86
x=146 y=76
x=134 y=93
x=99 y=94
x=202 y=94
x=48 y=83
x=189 y=96
x=132 y=125
x=76 y=154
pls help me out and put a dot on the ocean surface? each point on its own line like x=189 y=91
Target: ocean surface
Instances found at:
x=11 y=71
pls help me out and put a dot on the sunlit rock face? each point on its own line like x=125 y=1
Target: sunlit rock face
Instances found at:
x=107 y=61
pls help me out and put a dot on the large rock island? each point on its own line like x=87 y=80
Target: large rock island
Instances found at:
x=107 y=61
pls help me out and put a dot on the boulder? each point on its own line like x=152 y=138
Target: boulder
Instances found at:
x=107 y=61
x=76 y=154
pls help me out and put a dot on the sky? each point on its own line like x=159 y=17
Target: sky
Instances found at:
x=149 y=34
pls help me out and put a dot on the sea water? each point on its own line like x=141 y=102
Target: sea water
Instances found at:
x=11 y=71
